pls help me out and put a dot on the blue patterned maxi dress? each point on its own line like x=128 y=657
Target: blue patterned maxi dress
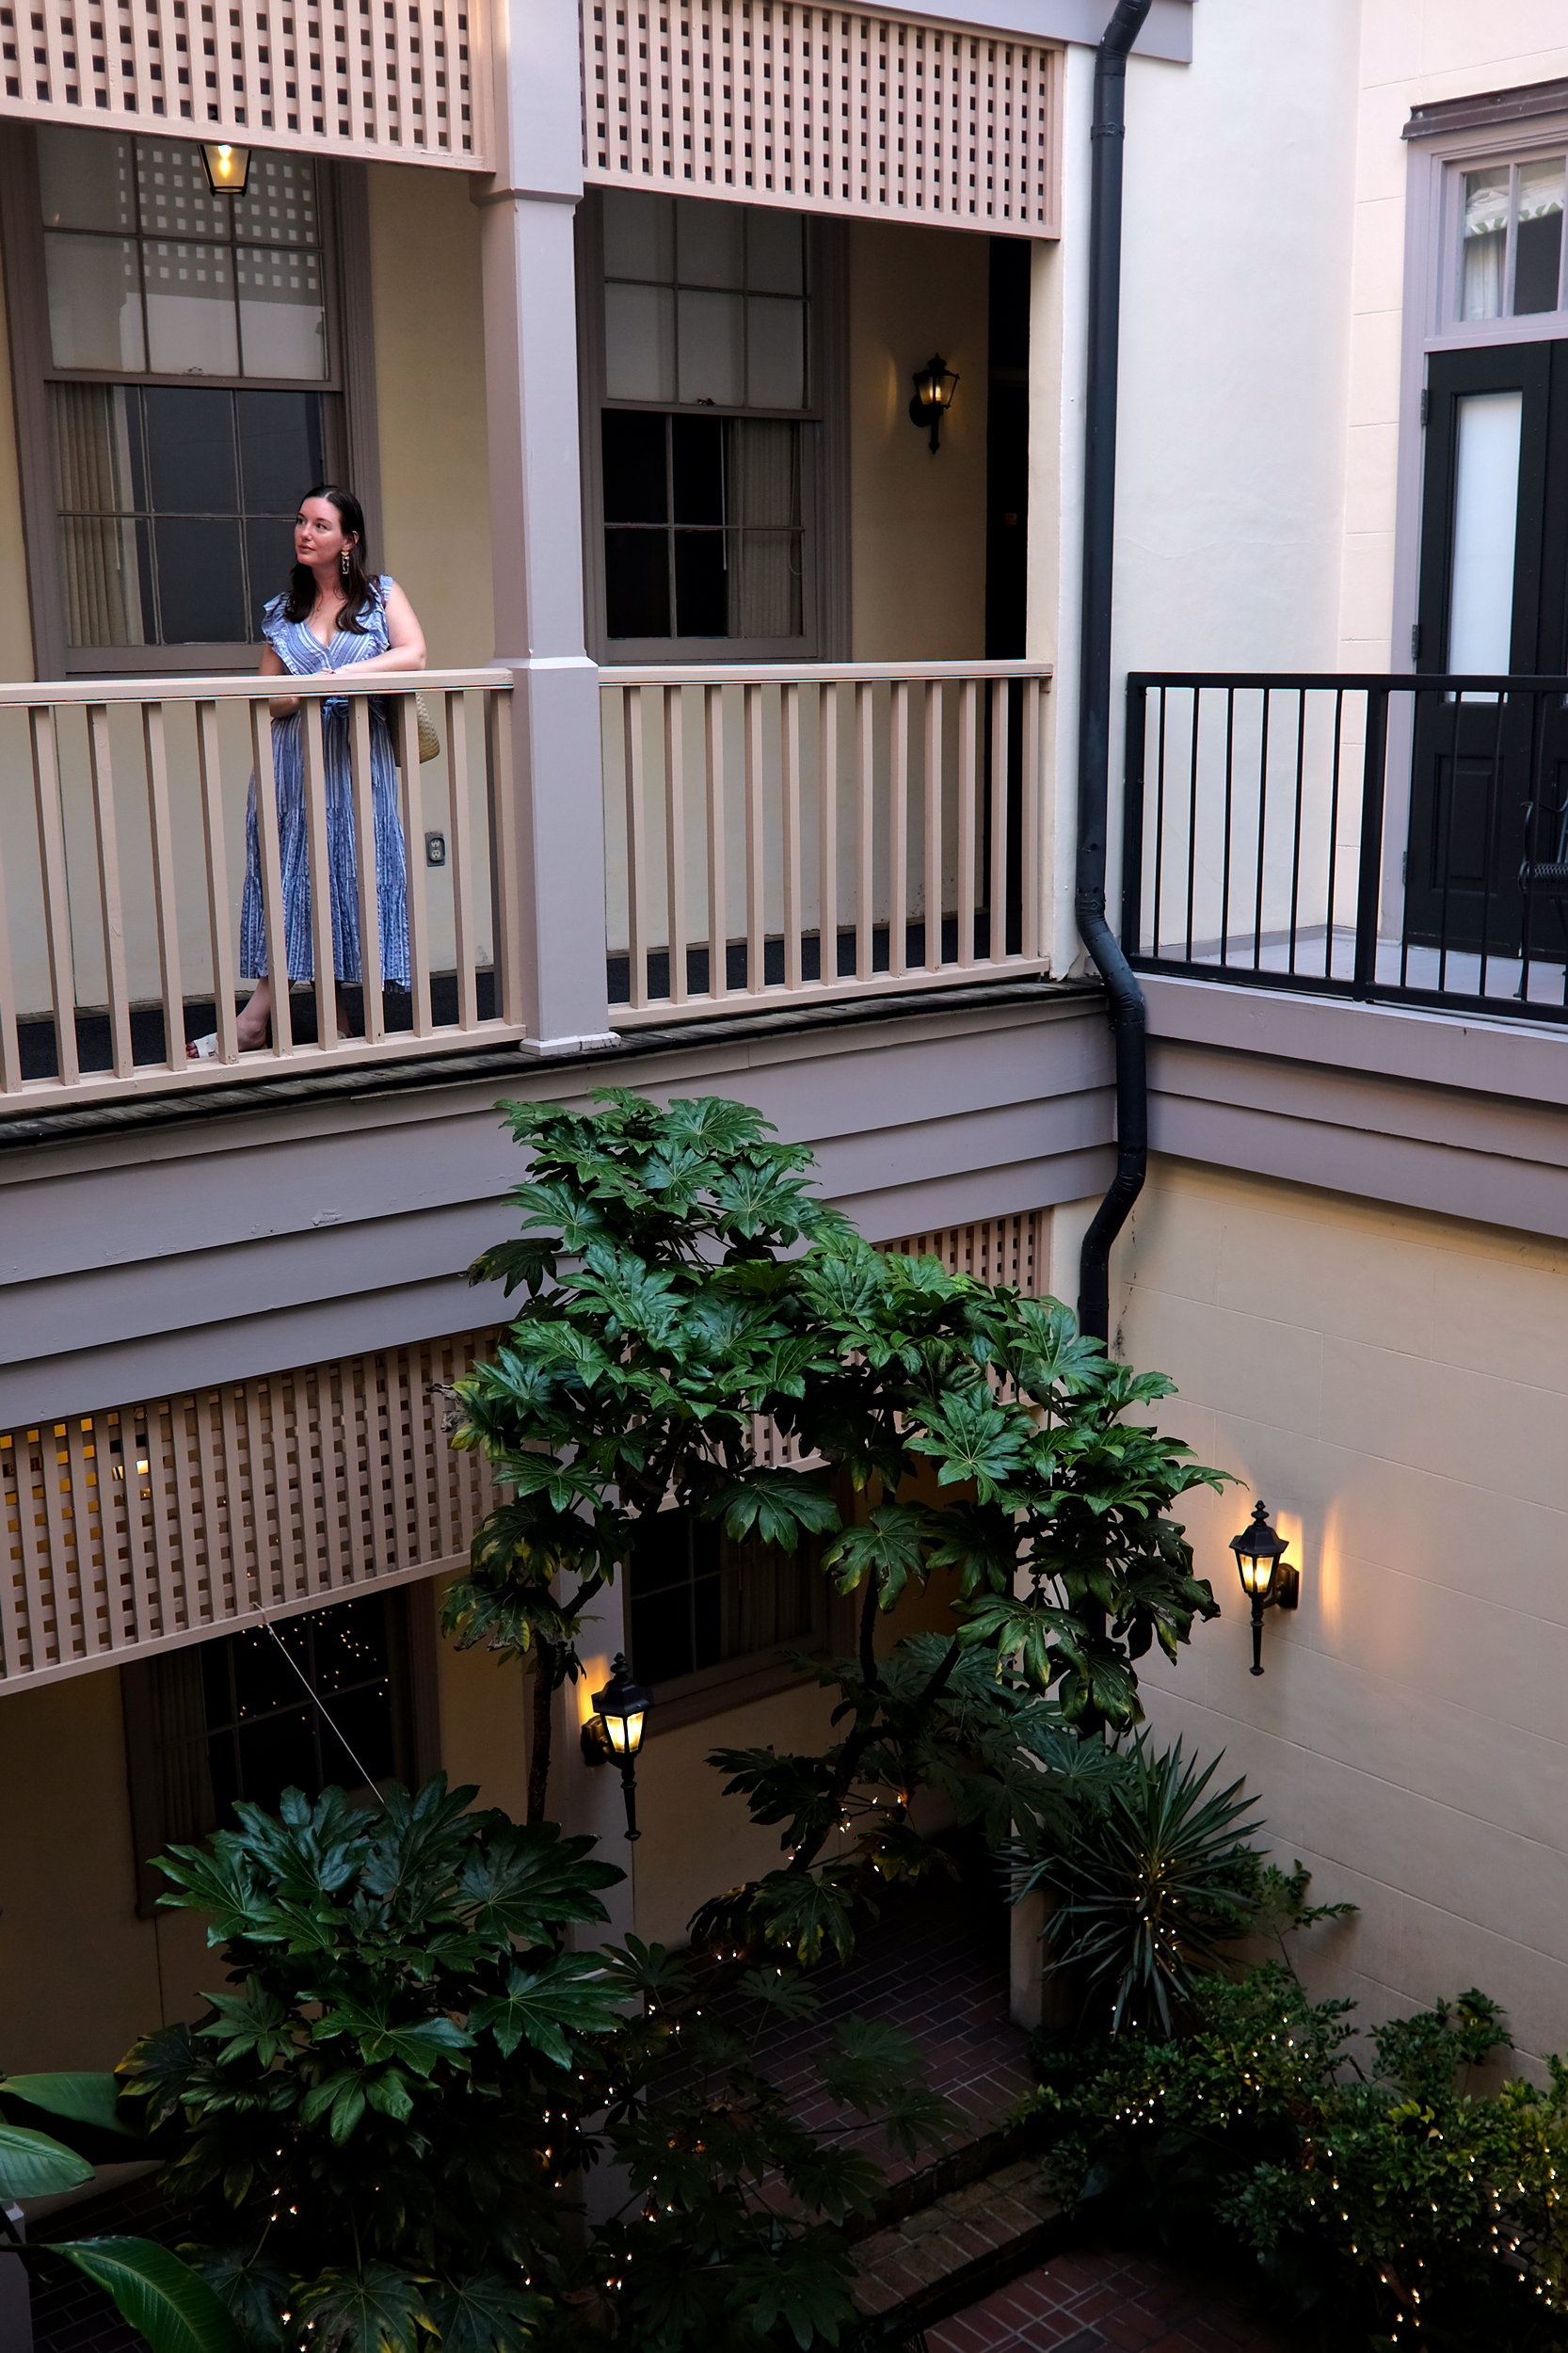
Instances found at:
x=302 y=654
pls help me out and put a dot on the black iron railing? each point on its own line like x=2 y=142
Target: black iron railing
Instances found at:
x=1389 y=839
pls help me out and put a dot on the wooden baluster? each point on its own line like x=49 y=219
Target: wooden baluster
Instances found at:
x=827 y=832
x=507 y=859
x=209 y=773
x=312 y=754
x=56 y=888
x=999 y=746
x=718 y=881
x=756 y=839
x=460 y=852
x=865 y=843
x=165 y=898
x=409 y=782
x=675 y=838
x=11 y=1052
x=789 y=788
x=268 y=858
x=636 y=842
x=898 y=829
x=968 y=818
x=361 y=776
x=934 y=708
x=110 y=897
x=1033 y=942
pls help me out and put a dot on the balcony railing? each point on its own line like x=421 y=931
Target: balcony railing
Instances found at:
x=1392 y=839
x=123 y=859
x=792 y=834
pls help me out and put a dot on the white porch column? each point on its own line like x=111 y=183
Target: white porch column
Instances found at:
x=536 y=517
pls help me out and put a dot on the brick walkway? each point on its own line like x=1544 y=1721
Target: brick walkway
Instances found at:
x=1100 y=2301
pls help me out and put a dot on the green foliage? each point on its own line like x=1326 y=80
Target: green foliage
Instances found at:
x=1384 y=2208
x=157 y=2293
x=362 y=2120
x=682 y=1281
x=1155 y=1880
x=385 y=2128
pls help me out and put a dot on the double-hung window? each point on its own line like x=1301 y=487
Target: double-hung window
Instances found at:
x=1507 y=254
x=708 y=329
x=187 y=389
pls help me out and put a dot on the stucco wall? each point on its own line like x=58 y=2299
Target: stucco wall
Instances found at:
x=917 y=521
x=1395 y=1385
x=430 y=404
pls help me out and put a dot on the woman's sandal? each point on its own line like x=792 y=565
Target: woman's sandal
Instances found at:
x=202 y=1048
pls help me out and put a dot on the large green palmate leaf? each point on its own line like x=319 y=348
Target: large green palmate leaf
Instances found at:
x=33 y=2165
x=156 y=2292
x=81 y=2099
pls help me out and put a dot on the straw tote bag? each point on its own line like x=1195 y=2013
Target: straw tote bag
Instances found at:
x=425 y=726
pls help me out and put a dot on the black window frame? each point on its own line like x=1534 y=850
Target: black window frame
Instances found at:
x=348 y=387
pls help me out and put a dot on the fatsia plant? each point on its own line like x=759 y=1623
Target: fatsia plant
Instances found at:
x=161 y=2297
x=368 y=2123
x=685 y=1285
x=386 y=2134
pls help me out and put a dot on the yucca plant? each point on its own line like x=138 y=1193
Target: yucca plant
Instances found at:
x=1157 y=1880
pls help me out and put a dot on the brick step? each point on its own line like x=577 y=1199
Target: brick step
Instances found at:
x=959 y=2246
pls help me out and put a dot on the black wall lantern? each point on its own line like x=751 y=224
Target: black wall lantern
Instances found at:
x=934 y=385
x=1267 y=1580
x=613 y=1733
x=227 y=168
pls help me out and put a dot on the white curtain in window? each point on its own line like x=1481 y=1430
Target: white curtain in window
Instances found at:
x=765 y=552
x=92 y=474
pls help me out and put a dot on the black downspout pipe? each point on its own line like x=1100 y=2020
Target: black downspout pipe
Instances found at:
x=1094 y=720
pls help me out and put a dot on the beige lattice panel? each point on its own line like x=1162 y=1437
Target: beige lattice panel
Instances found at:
x=772 y=103
x=1012 y=1250
x=149 y=1525
x=394 y=78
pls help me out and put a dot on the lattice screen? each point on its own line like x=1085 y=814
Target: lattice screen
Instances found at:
x=128 y=1529
x=772 y=103
x=394 y=78
x=1015 y=1250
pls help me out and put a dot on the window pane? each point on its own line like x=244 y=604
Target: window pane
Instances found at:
x=1539 y=257
x=1486 y=510
x=633 y=468
x=698 y=455
x=636 y=583
x=171 y=187
x=200 y=581
x=764 y=585
x=712 y=355
x=191 y=310
x=701 y=599
x=269 y=560
x=94 y=303
x=775 y=252
x=190 y=451
x=1485 y=239
x=708 y=243
x=348 y=1647
x=639 y=240
x=764 y=471
x=639 y=343
x=776 y=334
x=281 y=449
x=283 y=324
x=278 y=1753
x=103 y=587
x=85 y=180
x=279 y=206
x=92 y=427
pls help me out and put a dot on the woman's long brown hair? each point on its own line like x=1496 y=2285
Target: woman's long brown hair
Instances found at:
x=301 y=601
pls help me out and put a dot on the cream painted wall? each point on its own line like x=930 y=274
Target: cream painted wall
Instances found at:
x=917 y=521
x=16 y=631
x=80 y=1976
x=1410 y=55
x=430 y=405
x=1396 y=1387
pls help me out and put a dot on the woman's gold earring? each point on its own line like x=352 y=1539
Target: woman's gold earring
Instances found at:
x=343 y=560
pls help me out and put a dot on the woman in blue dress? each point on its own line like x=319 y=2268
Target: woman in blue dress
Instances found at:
x=334 y=620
